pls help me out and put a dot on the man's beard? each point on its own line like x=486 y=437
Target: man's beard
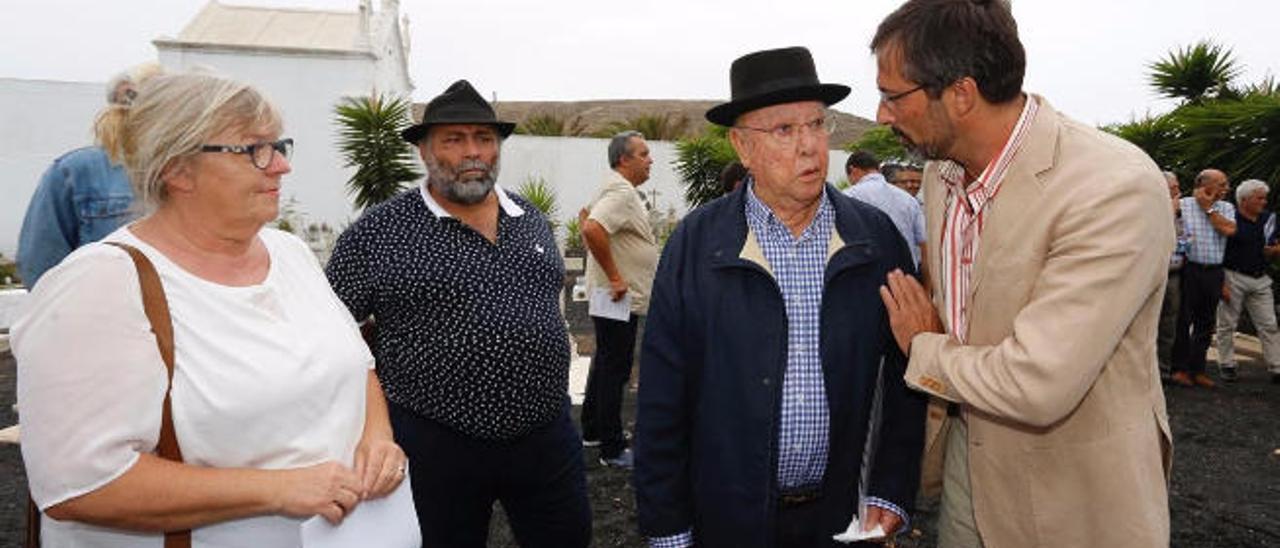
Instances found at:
x=926 y=150
x=937 y=148
x=448 y=180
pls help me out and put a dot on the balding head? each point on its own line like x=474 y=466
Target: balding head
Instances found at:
x=1210 y=176
x=1216 y=181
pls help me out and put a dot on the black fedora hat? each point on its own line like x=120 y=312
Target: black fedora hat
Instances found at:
x=460 y=104
x=772 y=77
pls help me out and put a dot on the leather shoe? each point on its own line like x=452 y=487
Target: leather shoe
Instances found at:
x=1182 y=378
x=1203 y=380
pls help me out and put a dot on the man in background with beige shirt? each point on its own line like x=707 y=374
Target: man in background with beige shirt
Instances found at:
x=624 y=256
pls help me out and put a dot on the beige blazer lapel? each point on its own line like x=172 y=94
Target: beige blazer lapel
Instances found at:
x=935 y=209
x=1019 y=193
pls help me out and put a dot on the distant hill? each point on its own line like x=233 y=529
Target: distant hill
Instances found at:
x=594 y=118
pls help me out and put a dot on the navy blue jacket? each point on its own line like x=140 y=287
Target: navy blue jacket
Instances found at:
x=711 y=377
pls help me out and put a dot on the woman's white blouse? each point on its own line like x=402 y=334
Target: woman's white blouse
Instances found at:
x=267 y=376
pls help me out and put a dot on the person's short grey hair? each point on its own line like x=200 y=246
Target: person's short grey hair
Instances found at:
x=175 y=114
x=1247 y=189
x=620 y=145
x=135 y=76
x=1170 y=176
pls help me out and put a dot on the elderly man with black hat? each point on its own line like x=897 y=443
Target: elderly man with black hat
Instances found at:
x=463 y=280
x=771 y=408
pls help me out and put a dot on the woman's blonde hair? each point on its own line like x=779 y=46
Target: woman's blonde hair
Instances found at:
x=173 y=115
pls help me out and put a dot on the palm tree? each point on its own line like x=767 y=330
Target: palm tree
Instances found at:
x=369 y=139
x=1195 y=73
x=573 y=237
x=699 y=161
x=1217 y=124
x=543 y=197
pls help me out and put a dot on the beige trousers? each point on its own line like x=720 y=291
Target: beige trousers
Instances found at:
x=956 y=525
x=1252 y=294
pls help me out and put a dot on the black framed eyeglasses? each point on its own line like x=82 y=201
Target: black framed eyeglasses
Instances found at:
x=891 y=98
x=259 y=153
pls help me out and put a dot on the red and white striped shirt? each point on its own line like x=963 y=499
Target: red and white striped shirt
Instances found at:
x=965 y=217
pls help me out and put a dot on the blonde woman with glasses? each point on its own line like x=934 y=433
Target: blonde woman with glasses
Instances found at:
x=275 y=407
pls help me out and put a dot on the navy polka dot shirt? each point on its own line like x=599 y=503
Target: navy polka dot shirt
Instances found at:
x=469 y=332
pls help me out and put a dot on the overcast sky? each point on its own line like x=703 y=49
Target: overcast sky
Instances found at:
x=1088 y=57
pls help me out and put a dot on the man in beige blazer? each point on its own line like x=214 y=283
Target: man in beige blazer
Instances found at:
x=1048 y=243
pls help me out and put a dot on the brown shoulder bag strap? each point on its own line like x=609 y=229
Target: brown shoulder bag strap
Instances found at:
x=157 y=308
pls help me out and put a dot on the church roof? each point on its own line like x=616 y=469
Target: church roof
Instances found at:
x=252 y=27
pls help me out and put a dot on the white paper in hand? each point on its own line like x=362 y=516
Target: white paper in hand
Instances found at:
x=602 y=305
x=855 y=533
x=388 y=522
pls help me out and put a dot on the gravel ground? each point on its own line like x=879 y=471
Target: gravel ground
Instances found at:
x=1225 y=490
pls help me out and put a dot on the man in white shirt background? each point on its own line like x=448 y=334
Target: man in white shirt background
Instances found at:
x=868 y=185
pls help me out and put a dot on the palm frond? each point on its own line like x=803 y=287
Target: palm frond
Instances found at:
x=1240 y=137
x=1201 y=71
x=543 y=197
x=369 y=140
x=699 y=161
x=573 y=235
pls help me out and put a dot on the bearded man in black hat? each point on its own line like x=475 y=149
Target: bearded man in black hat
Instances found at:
x=771 y=407
x=464 y=280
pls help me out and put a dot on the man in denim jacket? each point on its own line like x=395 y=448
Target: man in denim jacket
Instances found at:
x=83 y=196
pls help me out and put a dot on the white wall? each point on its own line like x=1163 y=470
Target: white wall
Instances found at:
x=39 y=121
x=575 y=167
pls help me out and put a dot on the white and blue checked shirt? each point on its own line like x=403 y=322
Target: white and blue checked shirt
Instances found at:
x=798 y=264
x=1206 y=246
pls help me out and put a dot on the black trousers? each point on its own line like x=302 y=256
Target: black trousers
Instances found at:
x=607 y=378
x=539 y=479
x=1197 y=316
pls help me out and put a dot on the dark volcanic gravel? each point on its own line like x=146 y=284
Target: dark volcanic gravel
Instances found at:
x=1225 y=490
